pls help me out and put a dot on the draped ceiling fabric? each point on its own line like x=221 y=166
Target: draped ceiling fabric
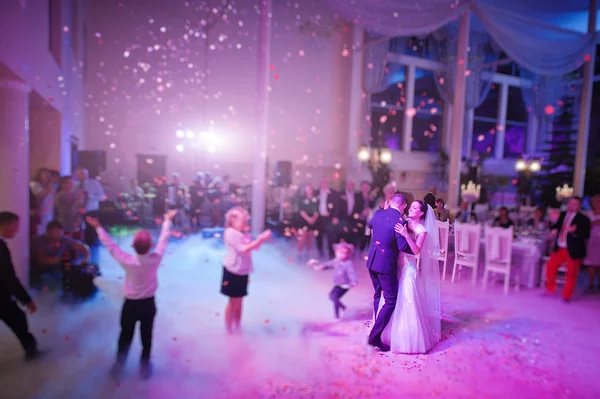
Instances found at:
x=481 y=53
x=540 y=46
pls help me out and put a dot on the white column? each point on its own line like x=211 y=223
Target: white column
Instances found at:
x=585 y=109
x=262 y=119
x=356 y=132
x=458 y=108
x=468 y=140
x=14 y=167
x=501 y=127
x=533 y=126
x=447 y=135
x=409 y=93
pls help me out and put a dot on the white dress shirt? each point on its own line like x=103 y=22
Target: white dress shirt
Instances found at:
x=323 y=202
x=350 y=201
x=562 y=238
x=141 y=279
x=95 y=193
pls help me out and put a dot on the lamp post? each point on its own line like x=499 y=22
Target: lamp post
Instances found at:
x=527 y=168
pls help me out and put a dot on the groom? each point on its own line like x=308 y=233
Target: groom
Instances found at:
x=382 y=263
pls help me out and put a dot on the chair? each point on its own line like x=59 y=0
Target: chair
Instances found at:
x=466 y=247
x=498 y=253
x=443 y=230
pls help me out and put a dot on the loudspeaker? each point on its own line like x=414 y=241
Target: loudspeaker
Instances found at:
x=93 y=161
x=283 y=173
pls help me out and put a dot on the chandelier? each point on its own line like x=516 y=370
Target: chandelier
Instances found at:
x=470 y=193
x=563 y=193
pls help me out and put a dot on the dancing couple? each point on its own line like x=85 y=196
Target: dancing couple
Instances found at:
x=402 y=268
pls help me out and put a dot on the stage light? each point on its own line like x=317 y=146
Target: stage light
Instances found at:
x=190 y=134
x=520 y=165
x=535 y=166
x=179 y=147
x=180 y=134
x=212 y=149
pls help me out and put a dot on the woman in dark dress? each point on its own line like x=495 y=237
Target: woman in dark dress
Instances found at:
x=503 y=220
x=308 y=214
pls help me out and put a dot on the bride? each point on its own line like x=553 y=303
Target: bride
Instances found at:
x=415 y=326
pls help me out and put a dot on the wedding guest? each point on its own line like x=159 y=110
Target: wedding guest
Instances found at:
x=465 y=215
x=538 y=221
x=47 y=250
x=366 y=202
x=11 y=287
x=344 y=275
x=237 y=264
x=592 y=260
x=328 y=216
x=388 y=192
x=93 y=193
x=503 y=220
x=350 y=209
x=430 y=199
x=442 y=214
x=308 y=214
x=44 y=192
x=571 y=232
x=139 y=287
x=70 y=208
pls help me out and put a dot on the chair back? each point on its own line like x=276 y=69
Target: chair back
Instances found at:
x=443 y=231
x=467 y=237
x=498 y=244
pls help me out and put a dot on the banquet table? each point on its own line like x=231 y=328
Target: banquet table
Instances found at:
x=527 y=253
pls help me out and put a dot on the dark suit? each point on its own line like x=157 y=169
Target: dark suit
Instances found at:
x=382 y=263
x=572 y=255
x=325 y=227
x=10 y=313
x=363 y=203
x=349 y=220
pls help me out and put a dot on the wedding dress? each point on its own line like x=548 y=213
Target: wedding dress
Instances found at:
x=415 y=326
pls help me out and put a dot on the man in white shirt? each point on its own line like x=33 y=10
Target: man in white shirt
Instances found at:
x=94 y=194
x=139 y=287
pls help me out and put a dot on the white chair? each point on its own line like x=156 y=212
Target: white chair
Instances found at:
x=498 y=253
x=443 y=230
x=466 y=247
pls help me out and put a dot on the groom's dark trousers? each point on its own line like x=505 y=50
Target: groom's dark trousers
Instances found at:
x=382 y=263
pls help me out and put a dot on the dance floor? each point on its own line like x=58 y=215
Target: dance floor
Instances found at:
x=494 y=346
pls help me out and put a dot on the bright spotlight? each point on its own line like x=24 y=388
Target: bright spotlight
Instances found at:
x=149 y=161
x=180 y=134
x=385 y=156
x=190 y=134
x=179 y=147
x=363 y=154
x=211 y=149
x=521 y=165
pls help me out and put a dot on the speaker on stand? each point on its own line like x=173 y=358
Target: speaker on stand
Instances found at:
x=283 y=179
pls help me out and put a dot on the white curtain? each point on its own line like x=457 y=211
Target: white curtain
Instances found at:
x=536 y=45
x=399 y=17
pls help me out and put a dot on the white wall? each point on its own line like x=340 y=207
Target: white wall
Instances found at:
x=25 y=53
x=308 y=89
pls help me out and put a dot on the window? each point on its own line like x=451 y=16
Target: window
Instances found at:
x=387 y=112
x=427 y=122
x=515 y=133
x=484 y=135
x=55 y=30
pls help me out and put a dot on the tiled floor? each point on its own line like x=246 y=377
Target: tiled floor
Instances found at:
x=495 y=346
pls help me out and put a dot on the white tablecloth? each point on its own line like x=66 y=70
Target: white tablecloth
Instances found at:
x=526 y=258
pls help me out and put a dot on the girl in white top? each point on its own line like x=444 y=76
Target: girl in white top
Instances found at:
x=237 y=264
